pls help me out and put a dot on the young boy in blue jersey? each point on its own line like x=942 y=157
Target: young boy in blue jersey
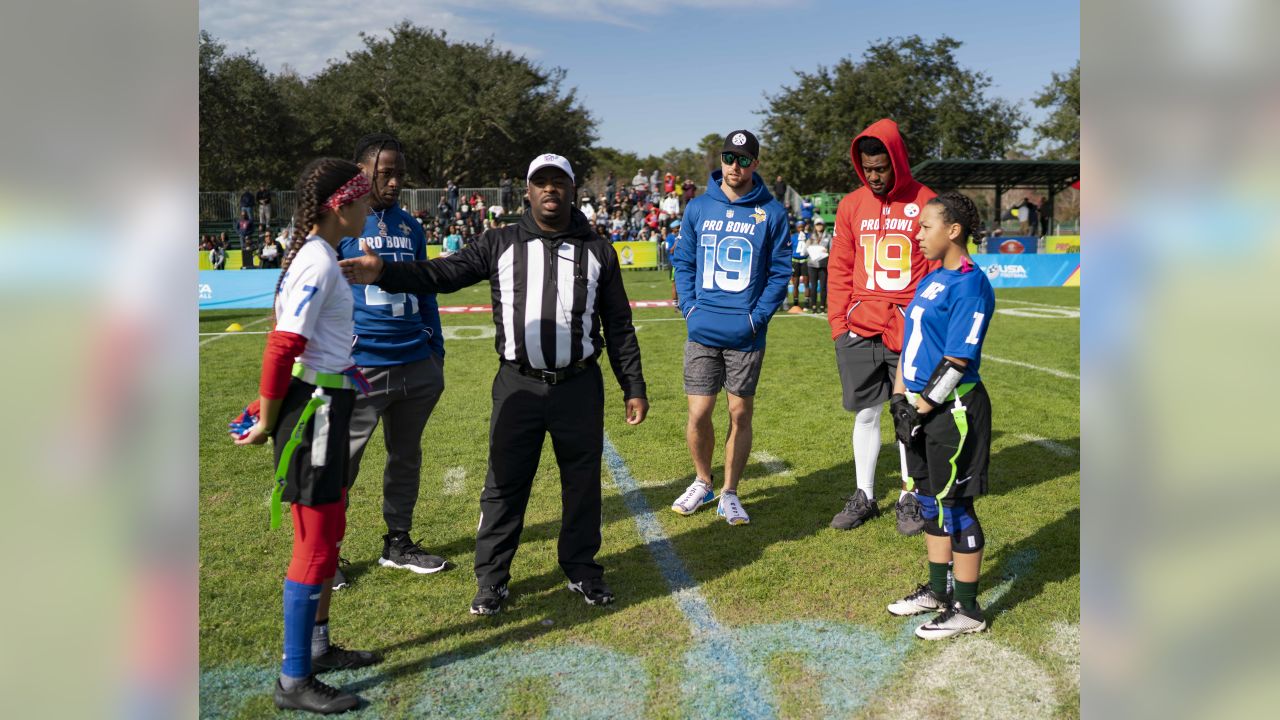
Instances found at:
x=399 y=347
x=942 y=415
x=731 y=262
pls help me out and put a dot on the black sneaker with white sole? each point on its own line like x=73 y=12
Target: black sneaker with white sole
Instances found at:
x=488 y=599
x=339 y=579
x=857 y=510
x=340 y=658
x=921 y=600
x=910 y=515
x=314 y=696
x=955 y=620
x=399 y=551
x=594 y=590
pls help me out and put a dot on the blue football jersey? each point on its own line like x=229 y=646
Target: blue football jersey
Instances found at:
x=948 y=317
x=393 y=328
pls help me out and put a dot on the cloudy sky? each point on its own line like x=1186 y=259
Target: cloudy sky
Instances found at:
x=658 y=74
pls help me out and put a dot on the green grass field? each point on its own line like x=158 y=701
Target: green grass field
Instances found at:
x=780 y=618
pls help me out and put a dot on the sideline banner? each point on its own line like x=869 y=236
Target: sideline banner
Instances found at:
x=221 y=289
x=1062 y=244
x=1013 y=245
x=637 y=254
x=233 y=258
x=1005 y=271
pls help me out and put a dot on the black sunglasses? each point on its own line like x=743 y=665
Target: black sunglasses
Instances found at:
x=730 y=158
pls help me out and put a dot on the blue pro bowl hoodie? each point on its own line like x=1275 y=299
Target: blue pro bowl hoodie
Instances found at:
x=732 y=264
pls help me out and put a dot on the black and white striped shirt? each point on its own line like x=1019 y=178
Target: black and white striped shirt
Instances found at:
x=557 y=298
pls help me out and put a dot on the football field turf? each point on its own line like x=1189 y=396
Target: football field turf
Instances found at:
x=784 y=617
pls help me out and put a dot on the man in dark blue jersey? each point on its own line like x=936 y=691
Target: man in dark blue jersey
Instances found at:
x=399 y=347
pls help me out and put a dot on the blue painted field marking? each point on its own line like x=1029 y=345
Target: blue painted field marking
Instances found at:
x=724 y=672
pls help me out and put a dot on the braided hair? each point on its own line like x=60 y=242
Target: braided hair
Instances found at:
x=959 y=209
x=320 y=179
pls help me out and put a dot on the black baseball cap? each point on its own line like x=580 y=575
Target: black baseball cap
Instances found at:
x=742 y=142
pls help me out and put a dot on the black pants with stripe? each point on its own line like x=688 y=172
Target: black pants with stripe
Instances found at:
x=524 y=411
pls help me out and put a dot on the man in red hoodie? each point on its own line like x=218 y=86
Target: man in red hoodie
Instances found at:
x=874 y=267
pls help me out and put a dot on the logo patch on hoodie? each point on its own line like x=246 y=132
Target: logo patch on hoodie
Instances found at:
x=759 y=215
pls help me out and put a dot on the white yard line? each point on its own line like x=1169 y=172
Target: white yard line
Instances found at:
x=774 y=464
x=1036 y=304
x=1056 y=448
x=1029 y=366
x=224 y=334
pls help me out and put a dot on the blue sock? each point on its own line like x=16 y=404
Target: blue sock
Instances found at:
x=300 y=603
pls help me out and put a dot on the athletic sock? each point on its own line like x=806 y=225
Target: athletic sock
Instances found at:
x=300 y=603
x=320 y=638
x=866 y=449
x=938 y=578
x=967 y=594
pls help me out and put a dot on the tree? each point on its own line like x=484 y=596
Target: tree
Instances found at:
x=1061 y=131
x=246 y=130
x=464 y=111
x=941 y=108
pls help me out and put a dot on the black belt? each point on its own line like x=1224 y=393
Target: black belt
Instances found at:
x=552 y=377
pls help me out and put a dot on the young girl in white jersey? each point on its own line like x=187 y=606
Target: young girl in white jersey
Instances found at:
x=308 y=389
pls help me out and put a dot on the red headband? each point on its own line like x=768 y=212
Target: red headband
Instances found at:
x=357 y=187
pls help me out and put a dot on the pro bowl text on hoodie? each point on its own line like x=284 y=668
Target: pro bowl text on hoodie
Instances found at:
x=875 y=263
x=732 y=263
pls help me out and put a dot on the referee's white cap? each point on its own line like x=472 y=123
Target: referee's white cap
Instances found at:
x=550 y=160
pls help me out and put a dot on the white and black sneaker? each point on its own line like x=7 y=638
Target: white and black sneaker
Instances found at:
x=910 y=515
x=339 y=579
x=594 y=590
x=955 y=620
x=698 y=493
x=399 y=551
x=921 y=600
x=488 y=599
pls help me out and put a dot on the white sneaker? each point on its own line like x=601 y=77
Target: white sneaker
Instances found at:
x=955 y=620
x=731 y=509
x=695 y=496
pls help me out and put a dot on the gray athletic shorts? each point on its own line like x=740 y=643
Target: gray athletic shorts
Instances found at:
x=707 y=369
x=866 y=371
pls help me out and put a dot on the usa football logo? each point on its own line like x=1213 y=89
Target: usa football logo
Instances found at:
x=739 y=139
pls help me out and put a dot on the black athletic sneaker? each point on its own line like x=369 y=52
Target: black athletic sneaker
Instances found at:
x=339 y=579
x=488 y=599
x=340 y=658
x=399 y=551
x=910 y=519
x=314 y=696
x=857 y=510
x=594 y=590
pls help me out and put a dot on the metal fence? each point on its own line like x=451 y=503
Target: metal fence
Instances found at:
x=225 y=206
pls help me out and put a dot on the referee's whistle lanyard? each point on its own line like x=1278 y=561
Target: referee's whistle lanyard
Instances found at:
x=318 y=407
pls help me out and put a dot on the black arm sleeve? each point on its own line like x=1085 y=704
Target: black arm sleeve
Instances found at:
x=441 y=275
x=619 y=334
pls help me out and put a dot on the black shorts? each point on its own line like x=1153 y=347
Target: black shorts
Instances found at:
x=943 y=461
x=799 y=268
x=866 y=371
x=306 y=482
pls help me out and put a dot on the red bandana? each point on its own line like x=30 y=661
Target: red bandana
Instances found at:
x=356 y=187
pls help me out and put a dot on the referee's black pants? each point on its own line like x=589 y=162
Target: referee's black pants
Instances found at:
x=524 y=410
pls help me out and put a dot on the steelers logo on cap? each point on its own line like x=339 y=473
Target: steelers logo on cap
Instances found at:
x=739 y=139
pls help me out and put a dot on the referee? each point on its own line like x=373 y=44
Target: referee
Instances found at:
x=556 y=289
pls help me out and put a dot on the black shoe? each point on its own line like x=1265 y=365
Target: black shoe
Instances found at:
x=857 y=510
x=910 y=519
x=340 y=580
x=594 y=590
x=314 y=696
x=340 y=658
x=488 y=599
x=398 y=551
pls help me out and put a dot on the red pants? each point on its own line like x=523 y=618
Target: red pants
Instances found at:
x=317 y=533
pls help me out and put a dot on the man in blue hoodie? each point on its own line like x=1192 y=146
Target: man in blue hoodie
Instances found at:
x=731 y=264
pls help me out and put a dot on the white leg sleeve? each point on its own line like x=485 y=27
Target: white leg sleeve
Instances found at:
x=866 y=449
